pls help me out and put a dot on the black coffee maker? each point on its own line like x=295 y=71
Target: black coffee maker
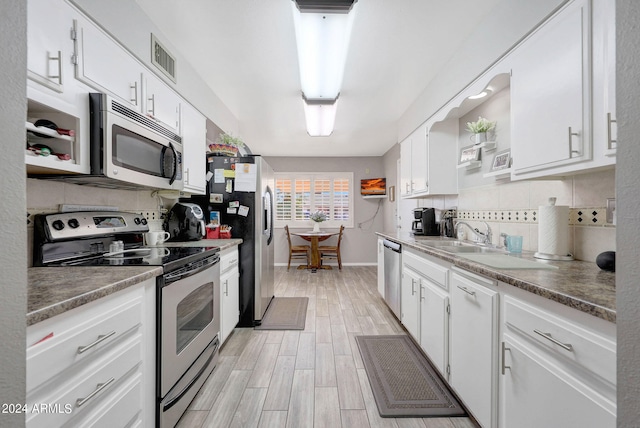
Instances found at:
x=424 y=222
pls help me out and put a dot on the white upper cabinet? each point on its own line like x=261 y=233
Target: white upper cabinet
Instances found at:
x=161 y=103
x=194 y=143
x=105 y=65
x=605 y=130
x=428 y=161
x=551 y=95
x=50 y=43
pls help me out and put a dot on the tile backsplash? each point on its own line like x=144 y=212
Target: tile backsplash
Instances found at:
x=512 y=208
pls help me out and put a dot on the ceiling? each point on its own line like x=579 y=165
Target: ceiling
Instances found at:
x=246 y=52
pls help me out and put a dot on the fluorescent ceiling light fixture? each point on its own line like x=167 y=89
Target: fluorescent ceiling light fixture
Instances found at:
x=478 y=96
x=323 y=30
x=320 y=115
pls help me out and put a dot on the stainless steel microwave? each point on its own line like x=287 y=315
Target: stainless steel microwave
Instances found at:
x=130 y=148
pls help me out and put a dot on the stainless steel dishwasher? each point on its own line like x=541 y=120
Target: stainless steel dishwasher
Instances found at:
x=392 y=254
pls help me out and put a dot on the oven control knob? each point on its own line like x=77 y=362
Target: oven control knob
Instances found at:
x=136 y=220
x=143 y=221
x=73 y=223
x=58 y=225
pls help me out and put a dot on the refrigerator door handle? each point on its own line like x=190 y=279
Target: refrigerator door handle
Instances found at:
x=267 y=206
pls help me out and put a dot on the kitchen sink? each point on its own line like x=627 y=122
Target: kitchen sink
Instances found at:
x=470 y=248
x=444 y=243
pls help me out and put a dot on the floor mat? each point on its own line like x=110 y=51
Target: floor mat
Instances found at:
x=285 y=313
x=403 y=381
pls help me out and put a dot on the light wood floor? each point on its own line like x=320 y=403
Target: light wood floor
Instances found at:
x=309 y=378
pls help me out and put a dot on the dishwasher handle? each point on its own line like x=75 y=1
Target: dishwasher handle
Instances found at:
x=392 y=246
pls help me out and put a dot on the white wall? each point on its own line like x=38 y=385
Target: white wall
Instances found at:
x=628 y=204
x=13 y=260
x=359 y=243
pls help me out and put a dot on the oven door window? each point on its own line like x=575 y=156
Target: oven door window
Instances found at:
x=194 y=314
x=138 y=153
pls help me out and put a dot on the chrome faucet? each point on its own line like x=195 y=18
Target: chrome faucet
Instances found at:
x=486 y=236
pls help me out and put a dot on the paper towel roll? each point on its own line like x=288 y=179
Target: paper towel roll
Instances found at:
x=553 y=230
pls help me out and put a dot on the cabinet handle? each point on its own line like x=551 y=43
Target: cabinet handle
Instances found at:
x=100 y=339
x=406 y=186
x=610 y=141
x=134 y=100
x=59 y=59
x=152 y=110
x=504 y=351
x=571 y=151
x=226 y=287
x=421 y=291
x=547 y=336
x=466 y=290
x=413 y=287
x=99 y=388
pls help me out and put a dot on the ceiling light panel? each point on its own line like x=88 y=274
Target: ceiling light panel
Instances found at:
x=320 y=117
x=323 y=42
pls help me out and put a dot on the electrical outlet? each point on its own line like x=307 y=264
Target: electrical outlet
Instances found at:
x=611 y=211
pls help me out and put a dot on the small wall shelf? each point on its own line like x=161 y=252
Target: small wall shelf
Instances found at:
x=499 y=174
x=470 y=165
x=487 y=146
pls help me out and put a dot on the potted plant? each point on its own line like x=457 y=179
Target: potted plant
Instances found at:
x=226 y=145
x=479 y=129
x=317 y=217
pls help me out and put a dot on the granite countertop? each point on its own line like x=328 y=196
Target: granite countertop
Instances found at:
x=223 y=244
x=54 y=290
x=577 y=284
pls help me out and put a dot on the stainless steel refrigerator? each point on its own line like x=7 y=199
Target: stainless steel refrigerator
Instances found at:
x=240 y=193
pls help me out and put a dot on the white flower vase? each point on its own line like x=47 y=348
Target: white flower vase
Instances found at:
x=316 y=227
x=479 y=138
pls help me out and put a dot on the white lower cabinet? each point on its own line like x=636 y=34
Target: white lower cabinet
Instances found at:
x=94 y=365
x=229 y=292
x=425 y=305
x=555 y=373
x=474 y=344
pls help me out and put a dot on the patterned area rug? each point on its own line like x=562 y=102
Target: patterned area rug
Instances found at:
x=403 y=382
x=285 y=313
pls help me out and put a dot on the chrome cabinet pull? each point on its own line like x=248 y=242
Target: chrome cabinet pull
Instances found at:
x=466 y=290
x=547 y=336
x=413 y=287
x=134 y=100
x=226 y=287
x=152 y=101
x=504 y=351
x=571 y=135
x=406 y=186
x=100 y=339
x=610 y=141
x=421 y=291
x=99 y=388
x=59 y=59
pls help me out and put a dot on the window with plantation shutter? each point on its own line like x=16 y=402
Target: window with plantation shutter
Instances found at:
x=300 y=194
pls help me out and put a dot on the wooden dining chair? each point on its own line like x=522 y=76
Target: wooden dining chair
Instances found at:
x=297 y=251
x=331 y=251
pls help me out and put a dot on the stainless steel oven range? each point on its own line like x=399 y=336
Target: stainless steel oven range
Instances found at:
x=187 y=309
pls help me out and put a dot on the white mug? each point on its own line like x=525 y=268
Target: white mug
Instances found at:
x=155 y=238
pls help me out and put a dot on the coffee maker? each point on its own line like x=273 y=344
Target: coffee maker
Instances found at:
x=424 y=222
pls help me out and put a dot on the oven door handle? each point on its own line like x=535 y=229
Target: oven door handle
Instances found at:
x=175 y=276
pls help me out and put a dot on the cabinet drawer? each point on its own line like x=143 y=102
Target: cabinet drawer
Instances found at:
x=122 y=408
x=84 y=394
x=427 y=268
x=229 y=260
x=565 y=340
x=79 y=337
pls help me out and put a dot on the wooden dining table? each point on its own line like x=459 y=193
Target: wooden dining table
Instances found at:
x=315 y=238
